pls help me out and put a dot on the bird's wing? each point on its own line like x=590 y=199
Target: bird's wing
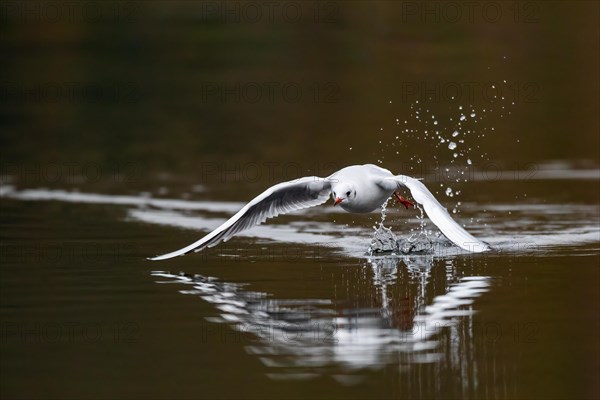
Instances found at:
x=436 y=212
x=279 y=199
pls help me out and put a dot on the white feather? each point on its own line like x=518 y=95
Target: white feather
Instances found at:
x=363 y=188
x=279 y=199
x=439 y=215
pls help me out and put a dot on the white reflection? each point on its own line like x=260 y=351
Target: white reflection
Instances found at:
x=301 y=339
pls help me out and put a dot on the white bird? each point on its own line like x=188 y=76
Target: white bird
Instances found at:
x=357 y=189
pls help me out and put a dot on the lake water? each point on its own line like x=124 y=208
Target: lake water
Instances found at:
x=136 y=130
x=297 y=305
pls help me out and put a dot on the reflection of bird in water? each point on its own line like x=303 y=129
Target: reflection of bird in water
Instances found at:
x=302 y=336
x=404 y=314
x=357 y=189
x=400 y=308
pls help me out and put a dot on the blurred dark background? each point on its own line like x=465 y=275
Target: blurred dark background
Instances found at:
x=216 y=100
x=159 y=90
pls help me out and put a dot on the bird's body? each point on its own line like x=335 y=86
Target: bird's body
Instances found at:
x=357 y=188
x=369 y=196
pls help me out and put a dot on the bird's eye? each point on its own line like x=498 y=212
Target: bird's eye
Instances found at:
x=334 y=194
x=348 y=193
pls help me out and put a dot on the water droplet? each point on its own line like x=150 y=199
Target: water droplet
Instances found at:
x=452 y=146
x=455 y=134
x=455 y=155
x=435 y=122
x=463 y=118
x=449 y=192
x=469 y=161
x=472 y=115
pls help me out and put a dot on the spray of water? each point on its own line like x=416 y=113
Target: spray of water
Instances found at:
x=455 y=138
x=384 y=240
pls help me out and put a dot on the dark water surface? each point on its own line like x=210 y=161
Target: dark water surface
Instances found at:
x=304 y=312
x=115 y=146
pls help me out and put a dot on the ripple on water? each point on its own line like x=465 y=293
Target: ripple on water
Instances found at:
x=532 y=226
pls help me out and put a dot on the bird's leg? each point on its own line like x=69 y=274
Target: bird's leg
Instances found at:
x=404 y=202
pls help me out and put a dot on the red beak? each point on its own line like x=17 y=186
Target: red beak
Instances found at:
x=337 y=201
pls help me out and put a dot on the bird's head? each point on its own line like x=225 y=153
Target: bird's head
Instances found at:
x=343 y=193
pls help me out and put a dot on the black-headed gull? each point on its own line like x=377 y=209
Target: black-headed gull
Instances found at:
x=357 y=189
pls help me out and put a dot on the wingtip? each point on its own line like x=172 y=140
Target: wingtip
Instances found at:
x=478 y=246
x=159 y=258
x=488 y=247
x=168 y=255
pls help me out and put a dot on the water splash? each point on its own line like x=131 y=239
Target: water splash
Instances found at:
x=417 y=243
x=420 y=242
x=383 y=241
x=458 y=129
x=421 y=218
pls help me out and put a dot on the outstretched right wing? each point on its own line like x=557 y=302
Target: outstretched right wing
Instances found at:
x=436 y=213
x=279 y=199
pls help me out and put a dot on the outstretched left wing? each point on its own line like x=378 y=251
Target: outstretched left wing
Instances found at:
x=282 y=198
